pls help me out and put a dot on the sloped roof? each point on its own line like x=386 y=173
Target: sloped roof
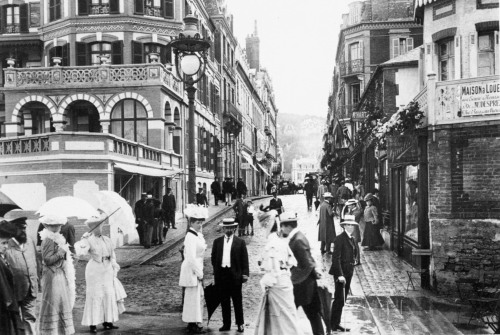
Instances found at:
x=410 y=56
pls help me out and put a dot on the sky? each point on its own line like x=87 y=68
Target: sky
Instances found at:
x=298 y=41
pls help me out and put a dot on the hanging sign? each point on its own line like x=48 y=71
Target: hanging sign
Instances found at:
x=402 y=149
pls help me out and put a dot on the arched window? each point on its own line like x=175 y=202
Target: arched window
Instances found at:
x=129 y=120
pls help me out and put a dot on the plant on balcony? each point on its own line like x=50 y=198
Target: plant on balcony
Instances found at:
x=403 y=121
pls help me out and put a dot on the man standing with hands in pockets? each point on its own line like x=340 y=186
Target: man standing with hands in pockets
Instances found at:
x=342 y=269
x=230 y=263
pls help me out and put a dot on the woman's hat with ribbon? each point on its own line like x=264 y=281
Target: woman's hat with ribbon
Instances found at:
x=196 y=212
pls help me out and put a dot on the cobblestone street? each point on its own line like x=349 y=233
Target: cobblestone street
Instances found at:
x=379 y=303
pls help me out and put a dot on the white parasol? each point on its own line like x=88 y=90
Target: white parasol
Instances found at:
x=119 y=212
x=68 y=206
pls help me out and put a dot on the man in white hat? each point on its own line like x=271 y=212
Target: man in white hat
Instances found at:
x=342 y=269
x=326 y=229
x=230 y=264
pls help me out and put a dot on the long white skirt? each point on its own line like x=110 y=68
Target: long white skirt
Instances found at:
x=100 y=300
x=192 y=311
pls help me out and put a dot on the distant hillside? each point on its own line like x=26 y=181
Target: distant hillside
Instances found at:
x=299 y=136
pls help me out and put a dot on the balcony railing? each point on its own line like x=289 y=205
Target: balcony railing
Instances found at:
x=232 y=111
x=11 y=29
x=96 y=9
x=352 y=67
x=81 y=76
x=81 y=143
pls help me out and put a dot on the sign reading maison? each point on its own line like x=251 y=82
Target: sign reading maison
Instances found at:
x=482 y=98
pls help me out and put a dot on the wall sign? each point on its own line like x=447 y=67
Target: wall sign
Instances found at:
x=402 y=149
x=481 y=98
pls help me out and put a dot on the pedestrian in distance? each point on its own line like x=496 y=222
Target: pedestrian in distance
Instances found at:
x=326 y=229
x=322 y=189
x=138 y=211
x=309 y=192
x=191 y=275
x=231 y=271
x=276 y=260
x=103 y=289
x=168 y=205
x=250 y=211
x=241 y=187
x=240 y=208
x=215 y=188
x=276 y=203
x=227 y=189
x=352 y=208
x=372 y=239
x=342 y=270
x=10 y=317
x=201 y=198
x=343 y=194
x=58 y=279
x=148 y=217
x=26 y=268
x=157 y=223
x=304 y=275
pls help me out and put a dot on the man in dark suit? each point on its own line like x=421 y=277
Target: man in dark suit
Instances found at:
x=309 y=191
x=304 y=275
x=168 y=207
x=342 y=269
x=241 y=188
x=276 y=204
x=215 y=188
x=138 y=211
x=230 y=264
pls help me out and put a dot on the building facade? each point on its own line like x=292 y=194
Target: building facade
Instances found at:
x=301 y=167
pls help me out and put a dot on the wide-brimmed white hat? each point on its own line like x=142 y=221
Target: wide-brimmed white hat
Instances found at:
x=228 y=222
x=349 y=219
x=53 y=220
x=196 y=212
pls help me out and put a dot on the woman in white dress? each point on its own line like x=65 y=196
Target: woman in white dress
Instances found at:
x=191 y=275
x=102 y=303
x=278 y=313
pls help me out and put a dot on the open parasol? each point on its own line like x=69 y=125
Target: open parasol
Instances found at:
x=325 y=297
x=118 y=210
x=68 y=206
x=212 y=300
x=6 y=204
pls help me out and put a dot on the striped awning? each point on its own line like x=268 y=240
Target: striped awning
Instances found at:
x=421 y=3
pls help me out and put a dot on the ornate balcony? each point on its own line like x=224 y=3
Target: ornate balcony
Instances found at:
x=88 y=76
x=96 y=9
x=233 y=120
x=352 y=67
x=12 y=28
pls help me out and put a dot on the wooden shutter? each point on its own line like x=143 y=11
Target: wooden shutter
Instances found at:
x=3 y=19
x=163 y=54
x=395 y=47
x=139 y=7
x=168 y=53
x=52 y=53
x=217 y=46
x=117 y=52
x=114 y=7
x=409 y=44
x=137 y=52
x=65 y=55
x=81 y=54
x=168 y=9
x=24 y=18
x=83 y=7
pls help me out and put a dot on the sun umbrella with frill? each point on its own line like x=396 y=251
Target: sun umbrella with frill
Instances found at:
x=68 y=206
x=118 y=210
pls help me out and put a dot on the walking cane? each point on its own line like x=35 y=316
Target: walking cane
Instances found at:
x=345 y=301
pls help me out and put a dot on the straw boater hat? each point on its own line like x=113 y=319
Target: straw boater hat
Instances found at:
x=349 y=219
x=53 y=220
x=369 y=196
x=351 y=202
x=327 y=195
x=228 y=222
x=287 y=217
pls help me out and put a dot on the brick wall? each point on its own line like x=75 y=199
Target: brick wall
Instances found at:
x=379 y=46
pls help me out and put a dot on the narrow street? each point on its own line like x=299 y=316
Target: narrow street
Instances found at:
x=379 y=303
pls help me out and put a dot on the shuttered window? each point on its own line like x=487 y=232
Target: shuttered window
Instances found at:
x=54 y=10
x=98 y=7
x=60 y=51
x=446 y=56
x=401 y=46
x=89 y=53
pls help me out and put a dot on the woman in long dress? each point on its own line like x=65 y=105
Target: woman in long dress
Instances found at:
x=191 y=275
x=104 y=293
x=278 y=313
x=58 y=279
x=371 y=236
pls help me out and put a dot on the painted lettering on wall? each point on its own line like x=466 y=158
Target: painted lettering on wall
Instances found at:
x=482 y=98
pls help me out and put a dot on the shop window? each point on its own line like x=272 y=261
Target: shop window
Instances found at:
x=401 y=46
x=486 y=54
x=88 y=53
x=157 y=8
x=411 y=203
x=54 y=10
x=129 y=121
x=446 y=57
x=98 y=7
x=60 y=51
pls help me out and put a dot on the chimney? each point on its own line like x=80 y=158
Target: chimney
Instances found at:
x=253 y=51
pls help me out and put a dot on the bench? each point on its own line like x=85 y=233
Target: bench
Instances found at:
x=414 y=273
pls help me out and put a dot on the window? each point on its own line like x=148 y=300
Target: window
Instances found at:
x=98 y=7
x=157 y=8
x=54 y=10
x=446 y=54
x=129 y=121
x=97 y=50
x=354 y=51
x=355 y=94
x=88 y=53
x=15 y=19
x=141 y=52
x=486 y=54
x=60 y=51
x=400 y=46
x=12 y=21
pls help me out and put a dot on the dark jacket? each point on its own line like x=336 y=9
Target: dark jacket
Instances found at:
x=241 y=187
x=309 y=189
x=215 y=187
x=228 y=186
x=138 y=211
x=276 y=204
x=201 y=199
x=305 y=262
x=25 y=266
x=148 y=212
x=344 y=252
x=239 y=259
x=168 y=204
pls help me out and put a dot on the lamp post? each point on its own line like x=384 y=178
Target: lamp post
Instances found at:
x=190 y=51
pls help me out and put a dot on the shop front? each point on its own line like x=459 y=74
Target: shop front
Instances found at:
x=408 y=199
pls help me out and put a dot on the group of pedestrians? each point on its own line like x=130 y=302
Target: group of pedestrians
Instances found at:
x=229 y=190
x=22 y=267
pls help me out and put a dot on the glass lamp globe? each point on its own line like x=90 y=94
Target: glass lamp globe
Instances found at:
x=190 y=64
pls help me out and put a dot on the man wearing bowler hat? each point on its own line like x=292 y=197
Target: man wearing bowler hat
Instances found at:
x=230 y=264
x=342 y=269
x=26 y=269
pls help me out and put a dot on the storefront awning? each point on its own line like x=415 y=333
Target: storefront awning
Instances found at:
x=146 y=171
x=263 y=170
x=249 y=159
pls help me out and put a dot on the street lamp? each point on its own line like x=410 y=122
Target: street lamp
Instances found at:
x=190 y=51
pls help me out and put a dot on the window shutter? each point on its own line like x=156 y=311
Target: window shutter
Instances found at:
x=409 y=44
x=3 y=19
x=217 y=46
x=24 y=18
x=360 y=51
x=52 y=53
x=137 y=52
x=168 y=9
x=139 y=7
x=83 y=7
x=168 y=54
x=81 y=54
x=65 y=55
x=117 y=52
x=395 y=47
x=114 y=7
x=163 y=54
